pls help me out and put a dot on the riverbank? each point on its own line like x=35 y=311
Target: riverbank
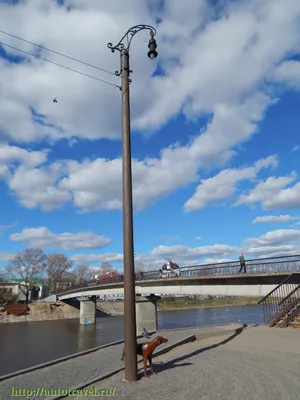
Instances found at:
x=83 y=369
x=59 y=310
x=43 y=312
x=182 y=304
x=117 y=308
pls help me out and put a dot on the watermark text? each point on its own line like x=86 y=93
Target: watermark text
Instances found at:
x=27 y=393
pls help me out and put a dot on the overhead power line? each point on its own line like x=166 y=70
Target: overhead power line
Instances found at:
x=60 y=65
x=56 y=52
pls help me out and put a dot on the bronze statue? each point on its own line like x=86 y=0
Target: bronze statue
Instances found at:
x=146 y=350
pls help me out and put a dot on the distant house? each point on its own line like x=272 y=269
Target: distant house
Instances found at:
x=12 y=287
x=63 y=285
x=17 y=287
x=107 y=275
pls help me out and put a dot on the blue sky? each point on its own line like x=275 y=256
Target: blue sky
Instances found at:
x=215 y=131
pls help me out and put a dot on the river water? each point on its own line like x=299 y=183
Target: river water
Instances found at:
x=23 y=345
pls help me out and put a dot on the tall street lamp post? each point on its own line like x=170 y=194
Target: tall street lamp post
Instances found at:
x=128 y=246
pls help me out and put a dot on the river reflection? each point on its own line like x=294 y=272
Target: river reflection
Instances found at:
x=210 y=316
x=26 y=344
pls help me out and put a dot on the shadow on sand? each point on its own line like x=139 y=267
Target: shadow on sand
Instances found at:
x=174 y=363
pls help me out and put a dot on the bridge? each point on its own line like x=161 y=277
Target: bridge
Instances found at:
x=263 y=276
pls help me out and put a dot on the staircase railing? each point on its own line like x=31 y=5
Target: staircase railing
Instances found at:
x=281 y=299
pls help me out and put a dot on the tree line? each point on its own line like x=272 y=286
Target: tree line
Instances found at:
x=52 y=269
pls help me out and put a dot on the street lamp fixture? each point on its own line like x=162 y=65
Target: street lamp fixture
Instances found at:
x=152 y=53
x=128 y=245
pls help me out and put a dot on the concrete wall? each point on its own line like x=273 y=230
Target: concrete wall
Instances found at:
x=87 y=311
x=13 y=288
x=146 y=315
x=214 y=290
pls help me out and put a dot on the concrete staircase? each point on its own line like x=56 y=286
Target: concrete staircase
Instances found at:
x=281 y=306
x=296 y=323
x=287 y=318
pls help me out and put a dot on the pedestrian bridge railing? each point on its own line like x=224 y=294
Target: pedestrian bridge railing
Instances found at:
x=272 y=265
x=282 y=299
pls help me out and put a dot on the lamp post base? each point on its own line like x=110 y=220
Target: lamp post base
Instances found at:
x=125 y=381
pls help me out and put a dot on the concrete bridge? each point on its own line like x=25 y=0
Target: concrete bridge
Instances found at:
x=146 y=310
x=262 y=276
x=228 y=285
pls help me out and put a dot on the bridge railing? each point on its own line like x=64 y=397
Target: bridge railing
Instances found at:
x=257 y=266
x=262 y=265
x=281 y=299
x=282 y=264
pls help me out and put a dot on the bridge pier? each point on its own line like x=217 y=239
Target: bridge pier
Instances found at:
x=146 y=313
x=87 y=310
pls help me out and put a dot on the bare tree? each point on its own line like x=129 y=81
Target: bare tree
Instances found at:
x=77 y=276
x=3 y=290
x=68 y=280
x=106 y=267
x=26 y=267
x=58 y=266
x=6 y=292
x=82 y=273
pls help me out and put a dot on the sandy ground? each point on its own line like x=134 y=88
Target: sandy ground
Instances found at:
x=43 y=312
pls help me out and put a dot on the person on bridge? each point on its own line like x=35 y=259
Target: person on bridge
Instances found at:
x=242 y=263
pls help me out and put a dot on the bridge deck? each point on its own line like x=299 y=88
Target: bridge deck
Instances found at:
x=202 y=280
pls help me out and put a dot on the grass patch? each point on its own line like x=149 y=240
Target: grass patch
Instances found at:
x=184 y=304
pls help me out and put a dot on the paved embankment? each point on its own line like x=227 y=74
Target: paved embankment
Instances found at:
x=84 y=369
x=258 y=364
x=111 y=307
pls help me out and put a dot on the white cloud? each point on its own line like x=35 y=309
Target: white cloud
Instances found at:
x=295 y=148
x=152 y=178
x=274 y=238
x=32 y=185
x=37 y=186
x=183 y=255
x=223 y=185
x=274 y=218
x=13 y=154
x=192 y=253
x=240 y=41
x=217 y=260
x=43 y=237
x=12 y=157
x=272 y=194
x=97 y=258
x=280 y=241
x=5 y=257
x=244 y=37
x=83 y=104
x=97 y=184
x=271 y=244
x=288 y=73
x=251 y=39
